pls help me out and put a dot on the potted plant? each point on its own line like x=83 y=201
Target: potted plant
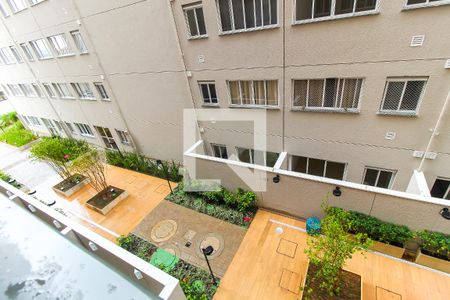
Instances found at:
x=327 y=253
x=59 y=153
x=434 y=251
x=92 y=164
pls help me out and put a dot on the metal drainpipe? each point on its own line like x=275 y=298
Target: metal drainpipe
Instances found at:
x=435 y=131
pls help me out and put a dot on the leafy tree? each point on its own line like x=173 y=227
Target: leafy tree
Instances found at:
x=329 y=251
x=59 y=153
x=92 y=164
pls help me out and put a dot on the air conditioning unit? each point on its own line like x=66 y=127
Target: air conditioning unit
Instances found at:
x=417 y=40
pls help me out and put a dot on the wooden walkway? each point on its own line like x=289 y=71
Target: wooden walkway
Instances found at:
x=272 y=266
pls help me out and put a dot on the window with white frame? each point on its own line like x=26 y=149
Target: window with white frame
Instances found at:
x=3 y=94
x=254 y=93
x=79 y=42
x=378 y=177
x=48 y=88
x=15 y=90
x=240 y=15
x=306 y=10
x=84 y=129
x=24 y=120
x=107 y=137
x=403 y=95
x=329 y=93
x=63 y=90
x=41 y=49
x=3 y=10
x=124 y=137
x=317 y=167
x=27 y=51
x=101 y=90
x=219 y=151
x=257 y=157
x=16 y=5
x=195 y=20
x=7 y=56
x=16 y=54
x=60 y=45
x=424 y=2
x=28 y=90
x=208 y=90
x=34 y=2
x=50 y=126
x=441 y=188
x=59 y=126
x=34 y=121
x=70 y=127
x=37 y=89
x=83 y=90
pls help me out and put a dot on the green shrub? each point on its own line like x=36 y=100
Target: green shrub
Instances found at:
x=435 y=243
x=4 y=176
x=245 y=200
x=214 y=197
x=8 y=119
x=16 y=135
x=229 y=199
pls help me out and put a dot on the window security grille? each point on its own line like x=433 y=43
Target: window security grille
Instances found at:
x=195 y=20
x=403 y=95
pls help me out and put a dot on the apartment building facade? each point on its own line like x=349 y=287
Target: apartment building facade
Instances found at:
x=352 y=89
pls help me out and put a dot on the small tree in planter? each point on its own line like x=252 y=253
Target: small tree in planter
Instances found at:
x=93 y=165
x=329 y=252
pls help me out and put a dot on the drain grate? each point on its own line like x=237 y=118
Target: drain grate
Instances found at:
x=188 y=244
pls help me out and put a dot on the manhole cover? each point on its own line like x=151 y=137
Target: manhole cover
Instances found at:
x=211 y=239
x=163 y=230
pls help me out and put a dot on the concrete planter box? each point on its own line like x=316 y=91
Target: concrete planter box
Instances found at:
x=103 y=206
x=432 y=262
x=69 y=191
x=388 y=249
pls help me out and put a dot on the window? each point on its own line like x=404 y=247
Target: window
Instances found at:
x=60 y=45
x=195 y=20
x=49 y=90
x=28 y=90
x=424 y=2
x=378 y=177
x=255 y=93
x=37 y=89
x=24 y=120
x=330 y=93
x=3 y=94
x=27 y=51
x=63 y=90
x=15 y=90
x=107 y=137
x=70 y=128
x=16 y=5
x=34 y=121
x=84 y=129
x=441 y=189
x=41 y=49
x=3 y=10
x=325 y=9
x=257 y=157
x=7 y=56
x=208 y=90
x=50 y=126
x=317 y=167
x=34 y=2
x=219 y=151
x=240 y=15
x=403 y=95
x=16 y=54
x=101 y=90
x=124 y=137
x=79 y=42
x=83 y=90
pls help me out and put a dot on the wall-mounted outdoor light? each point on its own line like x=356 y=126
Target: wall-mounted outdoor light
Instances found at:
x=337 y=192
x=276 y=179
x=445 y=213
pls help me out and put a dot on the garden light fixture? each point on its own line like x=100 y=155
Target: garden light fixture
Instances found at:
x=276 y=179
x=207 y=252
x=337 y=192
x=445 y=213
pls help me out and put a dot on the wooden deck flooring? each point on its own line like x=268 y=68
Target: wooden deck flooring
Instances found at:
x=271 y=266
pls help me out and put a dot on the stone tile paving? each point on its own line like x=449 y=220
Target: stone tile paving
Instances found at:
x=182 y=231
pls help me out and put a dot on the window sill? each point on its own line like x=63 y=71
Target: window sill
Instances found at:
x=67 y=98
x=106 y=100
x=424 y=5
x=338 y=17
x=255 y=106
x=326 y=110
x=88 y=136
x=37 y=3
x=84 y=53
x=88 y=99
x=210 y=105
x=413 y=114
x=66 y=55
x=46 y=58
x=200 y=37
x=248 y=30
x=16 y=12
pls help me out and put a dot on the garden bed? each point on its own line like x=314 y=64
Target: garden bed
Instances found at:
x=212 y=204
x=16 y=135
x=71 y=185
x=350 y=288
x=195 y=282
x=107 y=199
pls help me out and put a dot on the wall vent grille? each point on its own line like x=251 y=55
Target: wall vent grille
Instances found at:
x=417 y=40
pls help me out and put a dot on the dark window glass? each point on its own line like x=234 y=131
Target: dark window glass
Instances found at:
x=384 y=179
x=249 y=14
x=412 y=95
x=238 y=14
x=304 y=9
x=201 y=21
x=335 y=170
x=316 y=167
x=371 y=177
x=344 y=6
x=441 y=189
x=298 y=164
x=192 y=25
x=322 y=8
x=393 y=95
x=225 y=17
x=363 y=5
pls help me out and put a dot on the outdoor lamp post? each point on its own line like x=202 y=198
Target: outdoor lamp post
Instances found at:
x=161 y=166
x=207 y=252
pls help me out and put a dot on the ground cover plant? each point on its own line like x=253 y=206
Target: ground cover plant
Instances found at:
x=13 y=132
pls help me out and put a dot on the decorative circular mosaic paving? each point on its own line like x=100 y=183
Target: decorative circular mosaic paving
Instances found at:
x=164 y=230
x=172 y=249
x=211 y=239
